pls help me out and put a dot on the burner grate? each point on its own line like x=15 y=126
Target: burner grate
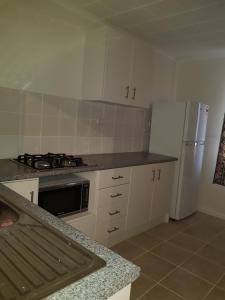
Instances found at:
x=50 y=161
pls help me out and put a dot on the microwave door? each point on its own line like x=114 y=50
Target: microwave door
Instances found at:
x=61 y=201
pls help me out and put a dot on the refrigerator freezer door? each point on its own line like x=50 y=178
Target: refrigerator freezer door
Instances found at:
x=167 y=128
x=202 y=125
x=188 y=180
x=191 y=121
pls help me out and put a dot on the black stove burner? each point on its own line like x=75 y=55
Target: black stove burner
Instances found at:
x=50 y=161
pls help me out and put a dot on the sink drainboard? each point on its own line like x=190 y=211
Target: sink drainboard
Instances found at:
x=37 y=260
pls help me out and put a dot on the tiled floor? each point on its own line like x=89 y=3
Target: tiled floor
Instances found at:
x=179 y=260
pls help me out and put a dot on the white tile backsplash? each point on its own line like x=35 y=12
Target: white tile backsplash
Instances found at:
x=35 y=123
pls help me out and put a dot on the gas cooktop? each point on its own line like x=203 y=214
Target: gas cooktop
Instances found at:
x=50 y=161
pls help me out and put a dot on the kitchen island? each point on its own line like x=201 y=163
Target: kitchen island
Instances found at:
x=102 y=284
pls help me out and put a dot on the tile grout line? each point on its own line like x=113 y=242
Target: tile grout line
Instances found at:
x=212 y=288
x=168 y=274
x=179 y=266
x=165 y=287
x=176 y=267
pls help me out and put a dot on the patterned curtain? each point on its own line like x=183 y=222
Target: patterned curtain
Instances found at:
x=219 y=176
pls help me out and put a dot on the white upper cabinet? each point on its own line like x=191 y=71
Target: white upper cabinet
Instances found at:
x=142 y=74
x=117 y=68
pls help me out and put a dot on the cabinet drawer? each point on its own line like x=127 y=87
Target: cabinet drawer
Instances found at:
x=109 y=228
x=107 y=197
x=112 y=177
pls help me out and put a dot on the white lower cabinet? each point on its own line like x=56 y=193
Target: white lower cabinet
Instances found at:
x=28 y=188
x=123 y=294
x=112 y=192
x=85 y=223
x=141 y=194
x=162 y=195
x=150 y=196
x=139 y=201
x=126 y=201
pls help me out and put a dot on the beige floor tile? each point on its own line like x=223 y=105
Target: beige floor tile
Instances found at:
x=160 y=293
x=203 y=231
x=195 y=218
x=145 y=241
x=179 y=225
x=140 y=286
x=153 y=266
x=216 y=294
x=171 y=253
x=128 y=250
x=164 y=231
x=204 y=268
x=187 y=242
x=213 y=254
x=219 y=242
x=214 y=220
x=186 y=285
x=221 y=283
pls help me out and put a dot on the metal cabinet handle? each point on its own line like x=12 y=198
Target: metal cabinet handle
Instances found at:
x=134 y=94
x=113 y=230
x=32 y=196
x=114 y=213
x=118 y=177
x=153 y=175
x=127 y=92
x=159 y=174
x=116 y=195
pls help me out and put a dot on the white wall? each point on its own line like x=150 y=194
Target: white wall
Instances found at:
x=205 y=81
x=41 y=48
x=163 y=85
x=42 y=51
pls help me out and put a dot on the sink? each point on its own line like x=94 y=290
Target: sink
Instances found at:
x=35 y=258
x=7 y=215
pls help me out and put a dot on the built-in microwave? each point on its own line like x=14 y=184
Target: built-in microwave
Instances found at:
x=63 y=195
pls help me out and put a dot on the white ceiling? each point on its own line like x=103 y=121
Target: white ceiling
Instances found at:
x=181 y=28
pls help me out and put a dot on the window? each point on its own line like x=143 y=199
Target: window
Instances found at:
x=219 y=176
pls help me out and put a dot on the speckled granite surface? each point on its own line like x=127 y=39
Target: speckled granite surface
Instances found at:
x=101 y=284
x=10 y=170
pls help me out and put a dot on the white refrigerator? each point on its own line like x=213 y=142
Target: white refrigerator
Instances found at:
x=178 y=129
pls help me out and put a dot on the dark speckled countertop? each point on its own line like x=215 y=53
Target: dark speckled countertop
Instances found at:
x=11 y=170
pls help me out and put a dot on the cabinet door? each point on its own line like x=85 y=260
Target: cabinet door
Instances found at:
x=118 y=67
x=26 y=188
x=162 y=193
x=142 y=72
x=86 y=224
x=141 y=192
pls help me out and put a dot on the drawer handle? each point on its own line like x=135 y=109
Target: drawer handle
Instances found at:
x=114 y=213
x=118 y=177
x=116 y=195
x=113 y=230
